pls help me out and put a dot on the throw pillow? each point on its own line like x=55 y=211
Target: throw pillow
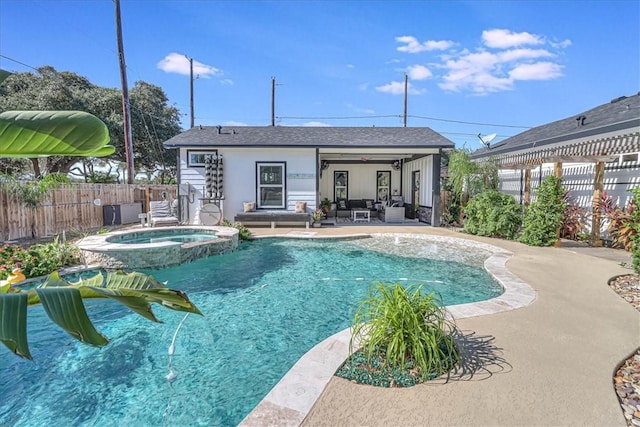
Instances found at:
x=342 y=204
x=301 y=207
x=369 y=204
x=249 y=206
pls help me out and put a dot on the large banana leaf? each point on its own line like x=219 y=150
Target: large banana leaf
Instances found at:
x=13 y=323
x=63 y=304
x=53 y=133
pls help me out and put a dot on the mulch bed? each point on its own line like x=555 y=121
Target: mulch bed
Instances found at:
x=627 y=378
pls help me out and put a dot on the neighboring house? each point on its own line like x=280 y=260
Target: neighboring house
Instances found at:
x=277 y=166
x=594 y=151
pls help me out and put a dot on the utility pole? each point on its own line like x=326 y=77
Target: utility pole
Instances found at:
x=191 y=89
x=273 y=101
x=126 y=108
x=406 y=85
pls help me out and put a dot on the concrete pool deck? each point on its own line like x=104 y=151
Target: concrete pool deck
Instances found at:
x=548 y=363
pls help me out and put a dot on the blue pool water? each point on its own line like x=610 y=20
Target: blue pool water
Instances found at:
x=154 y=237
x=264 y=306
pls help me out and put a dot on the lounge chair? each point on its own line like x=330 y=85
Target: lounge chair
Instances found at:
x=160 y=214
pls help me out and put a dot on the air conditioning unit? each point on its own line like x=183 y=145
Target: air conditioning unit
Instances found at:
x=121 y=214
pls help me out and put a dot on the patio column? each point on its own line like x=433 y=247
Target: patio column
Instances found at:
x=596 y=219
x=527 y=187
x=435 y=195
x=557 y=171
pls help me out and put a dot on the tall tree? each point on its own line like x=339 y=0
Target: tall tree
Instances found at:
x=153 y=120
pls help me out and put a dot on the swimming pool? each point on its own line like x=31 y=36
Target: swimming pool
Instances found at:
x=139 y=248
x=164 y=236
x=265 y=305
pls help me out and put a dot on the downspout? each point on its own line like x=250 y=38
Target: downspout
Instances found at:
x=179 y=168
x=318 y=172
x=521 y=188
x=435 y=197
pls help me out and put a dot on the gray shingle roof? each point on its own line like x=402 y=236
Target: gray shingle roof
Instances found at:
x=614 y=116
x=300 y=136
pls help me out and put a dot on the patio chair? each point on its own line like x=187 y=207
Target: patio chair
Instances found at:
x=160 y=214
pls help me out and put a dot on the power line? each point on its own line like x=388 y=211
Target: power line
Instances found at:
x=470 y=123
x=18 y=62
x=382 y=116
x=398 y=116
x=338 y=117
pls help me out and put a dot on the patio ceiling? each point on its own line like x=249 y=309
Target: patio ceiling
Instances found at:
x=373 y=154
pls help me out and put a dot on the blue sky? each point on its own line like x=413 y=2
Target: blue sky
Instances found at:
x=472 y=65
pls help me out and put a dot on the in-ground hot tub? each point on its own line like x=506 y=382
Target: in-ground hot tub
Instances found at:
x=157 y=247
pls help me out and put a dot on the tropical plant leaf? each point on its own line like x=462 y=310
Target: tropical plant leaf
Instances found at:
x=131 y=299
x=134 y=280
x=125 y=287
x=13 y=323
x=63 y=304
x=52 y=133
x=64 y=307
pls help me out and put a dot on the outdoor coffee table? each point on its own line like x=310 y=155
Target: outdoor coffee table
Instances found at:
x=360 y=215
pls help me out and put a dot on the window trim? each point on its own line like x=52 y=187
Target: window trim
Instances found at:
x=283 y=185
x=378 y=186
x=196 y=164
x=335 y=195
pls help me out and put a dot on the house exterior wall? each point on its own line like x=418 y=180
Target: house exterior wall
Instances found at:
x=240 y=178
x=619 y=177
x=302 y=180
x=425 y=165
x=362 y=179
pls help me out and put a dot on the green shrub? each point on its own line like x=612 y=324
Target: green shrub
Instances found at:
x=634 y=212
x=543 y=219
x=243 y=232
x=39 y=259
x=493 y=214
x=404 y=326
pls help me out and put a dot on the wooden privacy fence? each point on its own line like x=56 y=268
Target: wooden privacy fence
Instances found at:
x=74 y=207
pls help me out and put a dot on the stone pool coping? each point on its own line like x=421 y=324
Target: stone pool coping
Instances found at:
x=291 y=399
x=96 y=248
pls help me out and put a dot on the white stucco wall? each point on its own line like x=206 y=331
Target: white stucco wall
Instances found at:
x=240 y=177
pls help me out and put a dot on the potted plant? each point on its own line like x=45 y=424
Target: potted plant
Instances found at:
x=317 y=216
x=325 y=205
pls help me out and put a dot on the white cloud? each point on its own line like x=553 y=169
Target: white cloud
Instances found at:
x=412 y=45
x=233 y=123
x=560 y=45
x=227 y=82
x=504 y=58
x=502 y=39
x=177 y=63
x=397 y=88
x=419 y=72
x=536 y=71
x=394 y=88
x=520 y=54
